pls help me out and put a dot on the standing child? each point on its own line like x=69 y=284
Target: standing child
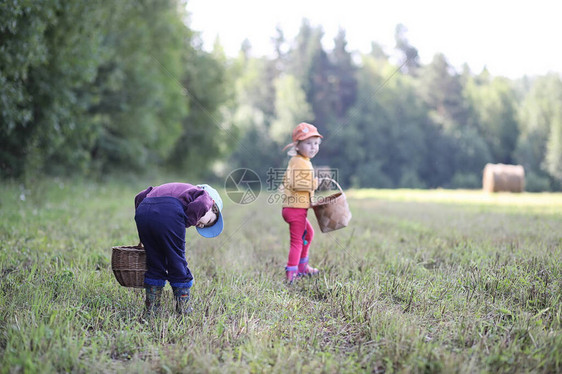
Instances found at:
x=298 y=188
x=162 y=214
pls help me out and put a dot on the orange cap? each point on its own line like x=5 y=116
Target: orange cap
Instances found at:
x=304 y=131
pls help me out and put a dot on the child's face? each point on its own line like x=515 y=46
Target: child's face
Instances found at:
x=309 y=147
x=208 y=219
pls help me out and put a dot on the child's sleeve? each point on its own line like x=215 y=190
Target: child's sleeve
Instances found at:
x=198 y=207
x=141 y=195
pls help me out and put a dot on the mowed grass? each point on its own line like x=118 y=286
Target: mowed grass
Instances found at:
x=421 y=281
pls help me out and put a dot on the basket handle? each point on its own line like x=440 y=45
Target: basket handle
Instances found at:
x=333 y=181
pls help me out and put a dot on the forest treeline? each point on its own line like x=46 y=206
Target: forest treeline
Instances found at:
x=99 y=87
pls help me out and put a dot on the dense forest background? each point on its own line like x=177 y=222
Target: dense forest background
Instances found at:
x=98 y=88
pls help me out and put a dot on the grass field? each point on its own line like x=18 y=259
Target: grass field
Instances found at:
x=421 y=282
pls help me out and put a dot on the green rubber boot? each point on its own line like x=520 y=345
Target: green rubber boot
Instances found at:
x=181 y=295
x=152 y=300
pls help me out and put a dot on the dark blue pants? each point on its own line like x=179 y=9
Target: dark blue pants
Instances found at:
x=161 y=225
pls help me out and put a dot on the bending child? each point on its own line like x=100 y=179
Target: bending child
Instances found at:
x=162 y=214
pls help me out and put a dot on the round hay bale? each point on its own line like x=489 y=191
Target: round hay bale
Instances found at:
x=501 y=177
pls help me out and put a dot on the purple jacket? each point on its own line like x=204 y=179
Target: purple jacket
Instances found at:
x=195 y=201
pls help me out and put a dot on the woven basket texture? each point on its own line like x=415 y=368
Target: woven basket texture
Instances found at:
x=332 y=212
x=129 y=265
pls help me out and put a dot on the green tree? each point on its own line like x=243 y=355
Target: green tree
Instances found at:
x=94 y=86
x=310 y=65
x=383 y=144
x=343 y=84
x=252 y=112
x=540 y=116
x=553 y=158
x=441 y=88
x=329 y=81
x=494 y=104
x=291 y=108
x=410 y=60
x=142 y=98
x=205 y=136
x=50 y=51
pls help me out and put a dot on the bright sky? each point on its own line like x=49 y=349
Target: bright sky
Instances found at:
x=511 y=38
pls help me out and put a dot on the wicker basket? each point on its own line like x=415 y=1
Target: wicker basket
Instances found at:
x=129 y=265
x=332 y=212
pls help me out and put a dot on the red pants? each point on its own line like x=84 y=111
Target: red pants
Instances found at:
x=301 y=233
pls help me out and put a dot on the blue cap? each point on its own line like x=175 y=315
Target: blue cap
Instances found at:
x=216 y=229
